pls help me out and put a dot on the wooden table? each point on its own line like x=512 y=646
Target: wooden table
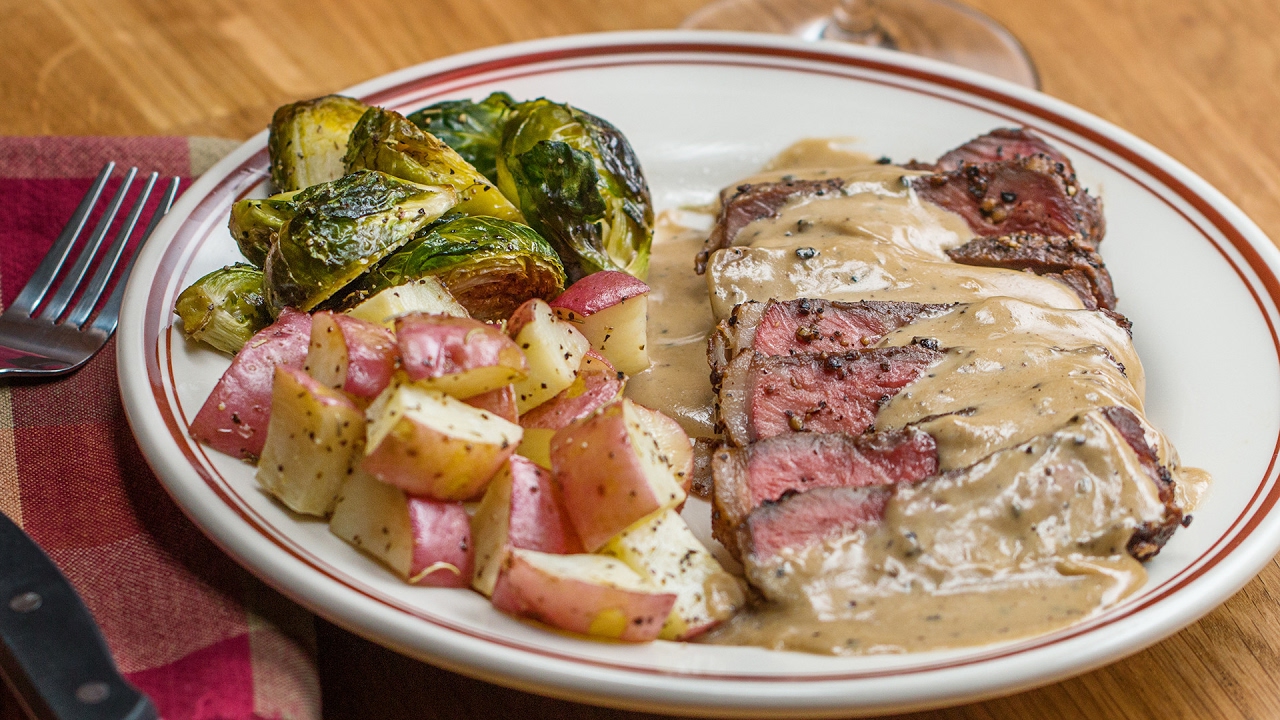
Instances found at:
x=1197 y=78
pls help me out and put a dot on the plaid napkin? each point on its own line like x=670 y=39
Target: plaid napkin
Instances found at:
x=186 y=624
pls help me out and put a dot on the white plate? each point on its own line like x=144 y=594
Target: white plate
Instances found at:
x=1195 y=275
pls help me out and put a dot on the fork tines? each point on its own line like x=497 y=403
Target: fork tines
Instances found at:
x=34 y=301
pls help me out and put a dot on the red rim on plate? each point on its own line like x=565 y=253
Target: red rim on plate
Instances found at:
x=160 y=420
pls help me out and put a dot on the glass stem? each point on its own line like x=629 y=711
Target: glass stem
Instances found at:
x=858 y=21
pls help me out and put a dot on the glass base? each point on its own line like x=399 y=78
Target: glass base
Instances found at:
x=936 y=29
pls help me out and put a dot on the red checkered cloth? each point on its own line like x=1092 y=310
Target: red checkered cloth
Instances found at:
x=189 y=627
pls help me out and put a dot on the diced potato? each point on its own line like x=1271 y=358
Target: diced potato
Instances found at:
x=434 y=445
x=424 y=295
x=596 y=385
x=612 y=471
x=349 y=354
x=521 y=509
x=426 y=542
x=459 y=356
x=663 y=549
x=314 y=436
x=500 y=402
x=612 y=310
x=234 y=417
x=587 y=594
x=536 y=446
x=553 y=348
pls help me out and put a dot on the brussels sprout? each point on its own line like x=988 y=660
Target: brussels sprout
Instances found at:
x=255 y=222
x=386 y=141
x=490 y=266
x=474 y=129
x=579 y=182
x=224 y=308
x=341 y=229
x=308 y=139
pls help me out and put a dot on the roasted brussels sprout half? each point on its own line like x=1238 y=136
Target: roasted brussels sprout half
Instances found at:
x=490 y=266
x=386 y=141
x=307 y=140
x=474 y=129
x=579 y=183
x=342 y=229
x=255 y=222
x=224 y=308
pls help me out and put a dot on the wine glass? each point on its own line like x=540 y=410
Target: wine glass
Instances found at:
x=937 y=29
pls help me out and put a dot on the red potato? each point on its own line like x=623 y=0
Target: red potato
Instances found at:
x=314 y=436
x=424 y=295
x=234 y=417
x=596 y=385
x=587 y=594
x=612 y=471
x=664 y=549
x=535 y=445
x=459 y=356
x=500 y=402
x=425 y=541
x=611 y=309
x=521 y=509
x=352 y=355
x=673 y=444
x=434 y=445
x=553 y=349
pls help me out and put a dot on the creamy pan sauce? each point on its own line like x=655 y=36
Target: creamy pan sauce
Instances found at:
x=1028 y=539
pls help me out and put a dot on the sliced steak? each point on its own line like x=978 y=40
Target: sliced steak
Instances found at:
x=803 y=519
x=798 y=327
x=1068 y=259
x=1002 y=144
x=762 y=396
x=1149 y=537
x=703 y=450
x=757 y=201
x=746 y=478
x=1027 y=195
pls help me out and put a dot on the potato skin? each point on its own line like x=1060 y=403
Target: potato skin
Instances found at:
x=529 y=586
x=612 y=473
x=460 y=356
x=234 y=417
x=314 y=435
x=350 y=354
x=421 y=454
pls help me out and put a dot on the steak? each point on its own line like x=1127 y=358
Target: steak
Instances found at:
x=766 y=471
x=998 y=145
x=762 y=395
x=1149 y=537
x=1068 y=259
x=758 y=201
x=798 y=327
x=1027 y=195
x=803 y=519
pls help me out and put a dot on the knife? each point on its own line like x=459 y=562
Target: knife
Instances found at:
x=51 y=651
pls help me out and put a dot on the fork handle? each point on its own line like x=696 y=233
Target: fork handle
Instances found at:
x=51 y=651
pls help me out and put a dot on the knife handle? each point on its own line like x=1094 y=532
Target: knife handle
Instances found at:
x=51 y=651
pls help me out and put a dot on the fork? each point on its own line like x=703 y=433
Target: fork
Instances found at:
x=38 y=335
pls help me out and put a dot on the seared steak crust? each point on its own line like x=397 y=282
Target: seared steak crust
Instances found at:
x=766 y=471
x=1150 y=537
x=799 y=327
x=758 y=201
x=1068 y=259
x=762 y=396
x=1028 y=195
x=1002 y=144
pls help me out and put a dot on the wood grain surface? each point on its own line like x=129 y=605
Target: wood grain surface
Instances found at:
x=1198 y=78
